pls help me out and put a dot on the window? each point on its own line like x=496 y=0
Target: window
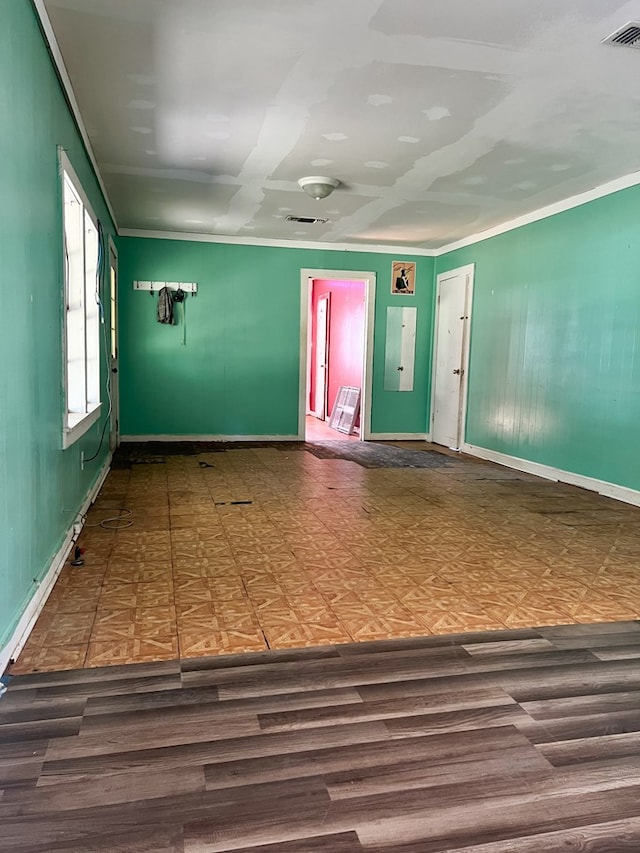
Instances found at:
x=82 y=310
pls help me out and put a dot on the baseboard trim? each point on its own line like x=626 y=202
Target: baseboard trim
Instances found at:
x=207 y=437
x=16 y=642
x=397 y=436
x=602 y=487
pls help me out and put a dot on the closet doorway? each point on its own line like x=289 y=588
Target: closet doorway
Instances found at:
x=451 y=356
x=336 y=321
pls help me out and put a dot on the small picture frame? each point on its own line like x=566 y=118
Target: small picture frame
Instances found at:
x=403 y=278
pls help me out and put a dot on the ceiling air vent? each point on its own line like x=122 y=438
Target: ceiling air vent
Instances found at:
x=306 y=220
x=627 y=36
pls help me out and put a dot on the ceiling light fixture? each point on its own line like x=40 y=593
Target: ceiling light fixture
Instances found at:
x=318 y=186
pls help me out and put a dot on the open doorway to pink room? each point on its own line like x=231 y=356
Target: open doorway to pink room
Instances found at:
x=335 y=356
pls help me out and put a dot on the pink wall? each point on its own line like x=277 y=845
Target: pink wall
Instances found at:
x=346 y=335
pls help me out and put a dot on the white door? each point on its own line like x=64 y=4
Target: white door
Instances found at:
x=449 y=377
x=322 y=356
x=114 y=431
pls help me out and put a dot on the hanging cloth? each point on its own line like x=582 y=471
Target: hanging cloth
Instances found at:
x=179 y=297
x=165 y=306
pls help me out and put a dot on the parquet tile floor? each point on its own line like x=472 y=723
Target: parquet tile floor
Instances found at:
x=274 y=547
x=516 y=741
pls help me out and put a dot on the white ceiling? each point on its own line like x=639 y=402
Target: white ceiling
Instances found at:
x=441 y=118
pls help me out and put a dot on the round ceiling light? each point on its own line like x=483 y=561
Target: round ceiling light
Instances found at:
x=318 y=186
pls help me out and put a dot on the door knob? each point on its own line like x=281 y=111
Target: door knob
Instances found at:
x=401 y=368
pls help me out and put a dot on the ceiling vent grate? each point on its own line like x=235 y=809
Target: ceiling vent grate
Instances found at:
x=306 y=220
x=627 y=36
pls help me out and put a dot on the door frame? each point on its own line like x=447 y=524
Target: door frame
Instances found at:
x=369 y=281
x=469 y=271
x=313 y=363
x=113 y=378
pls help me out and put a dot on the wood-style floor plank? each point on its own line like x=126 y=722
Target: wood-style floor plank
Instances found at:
x=521 y=742
x=163 y=840
x=382 y=710
x=577 y=706
x=430 y=750
x=341 y=842
x=620 y=836
x=100 y=716
x=578 y=750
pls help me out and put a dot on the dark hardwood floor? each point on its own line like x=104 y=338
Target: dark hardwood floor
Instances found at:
x=517 y=741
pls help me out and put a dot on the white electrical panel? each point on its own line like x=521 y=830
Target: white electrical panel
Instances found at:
x=400 y=349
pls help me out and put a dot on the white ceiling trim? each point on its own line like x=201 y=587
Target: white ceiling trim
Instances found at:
x=578 y=200
x=280 y=244
x=609 y=188
x=56 y=54
x=601 y=191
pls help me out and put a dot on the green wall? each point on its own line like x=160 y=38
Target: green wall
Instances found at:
x=239 y=371
x=41 y=486
x=555 y=341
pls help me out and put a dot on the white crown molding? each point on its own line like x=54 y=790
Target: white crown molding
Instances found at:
x=578 y=200
x=602 y=487
x=15 y=644
x=398 y=251
x=623 y=183
x=56 y=55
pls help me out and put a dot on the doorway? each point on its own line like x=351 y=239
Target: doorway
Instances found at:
x=319 y=379
x=113 y=383
x=454 y=294
x=336 y=321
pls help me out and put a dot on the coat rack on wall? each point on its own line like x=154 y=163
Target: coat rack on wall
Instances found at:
x=155 y=286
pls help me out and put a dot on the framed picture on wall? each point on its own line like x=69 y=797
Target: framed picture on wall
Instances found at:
x=403 y=277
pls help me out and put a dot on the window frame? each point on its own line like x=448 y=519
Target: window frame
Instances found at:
x=77 y=423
